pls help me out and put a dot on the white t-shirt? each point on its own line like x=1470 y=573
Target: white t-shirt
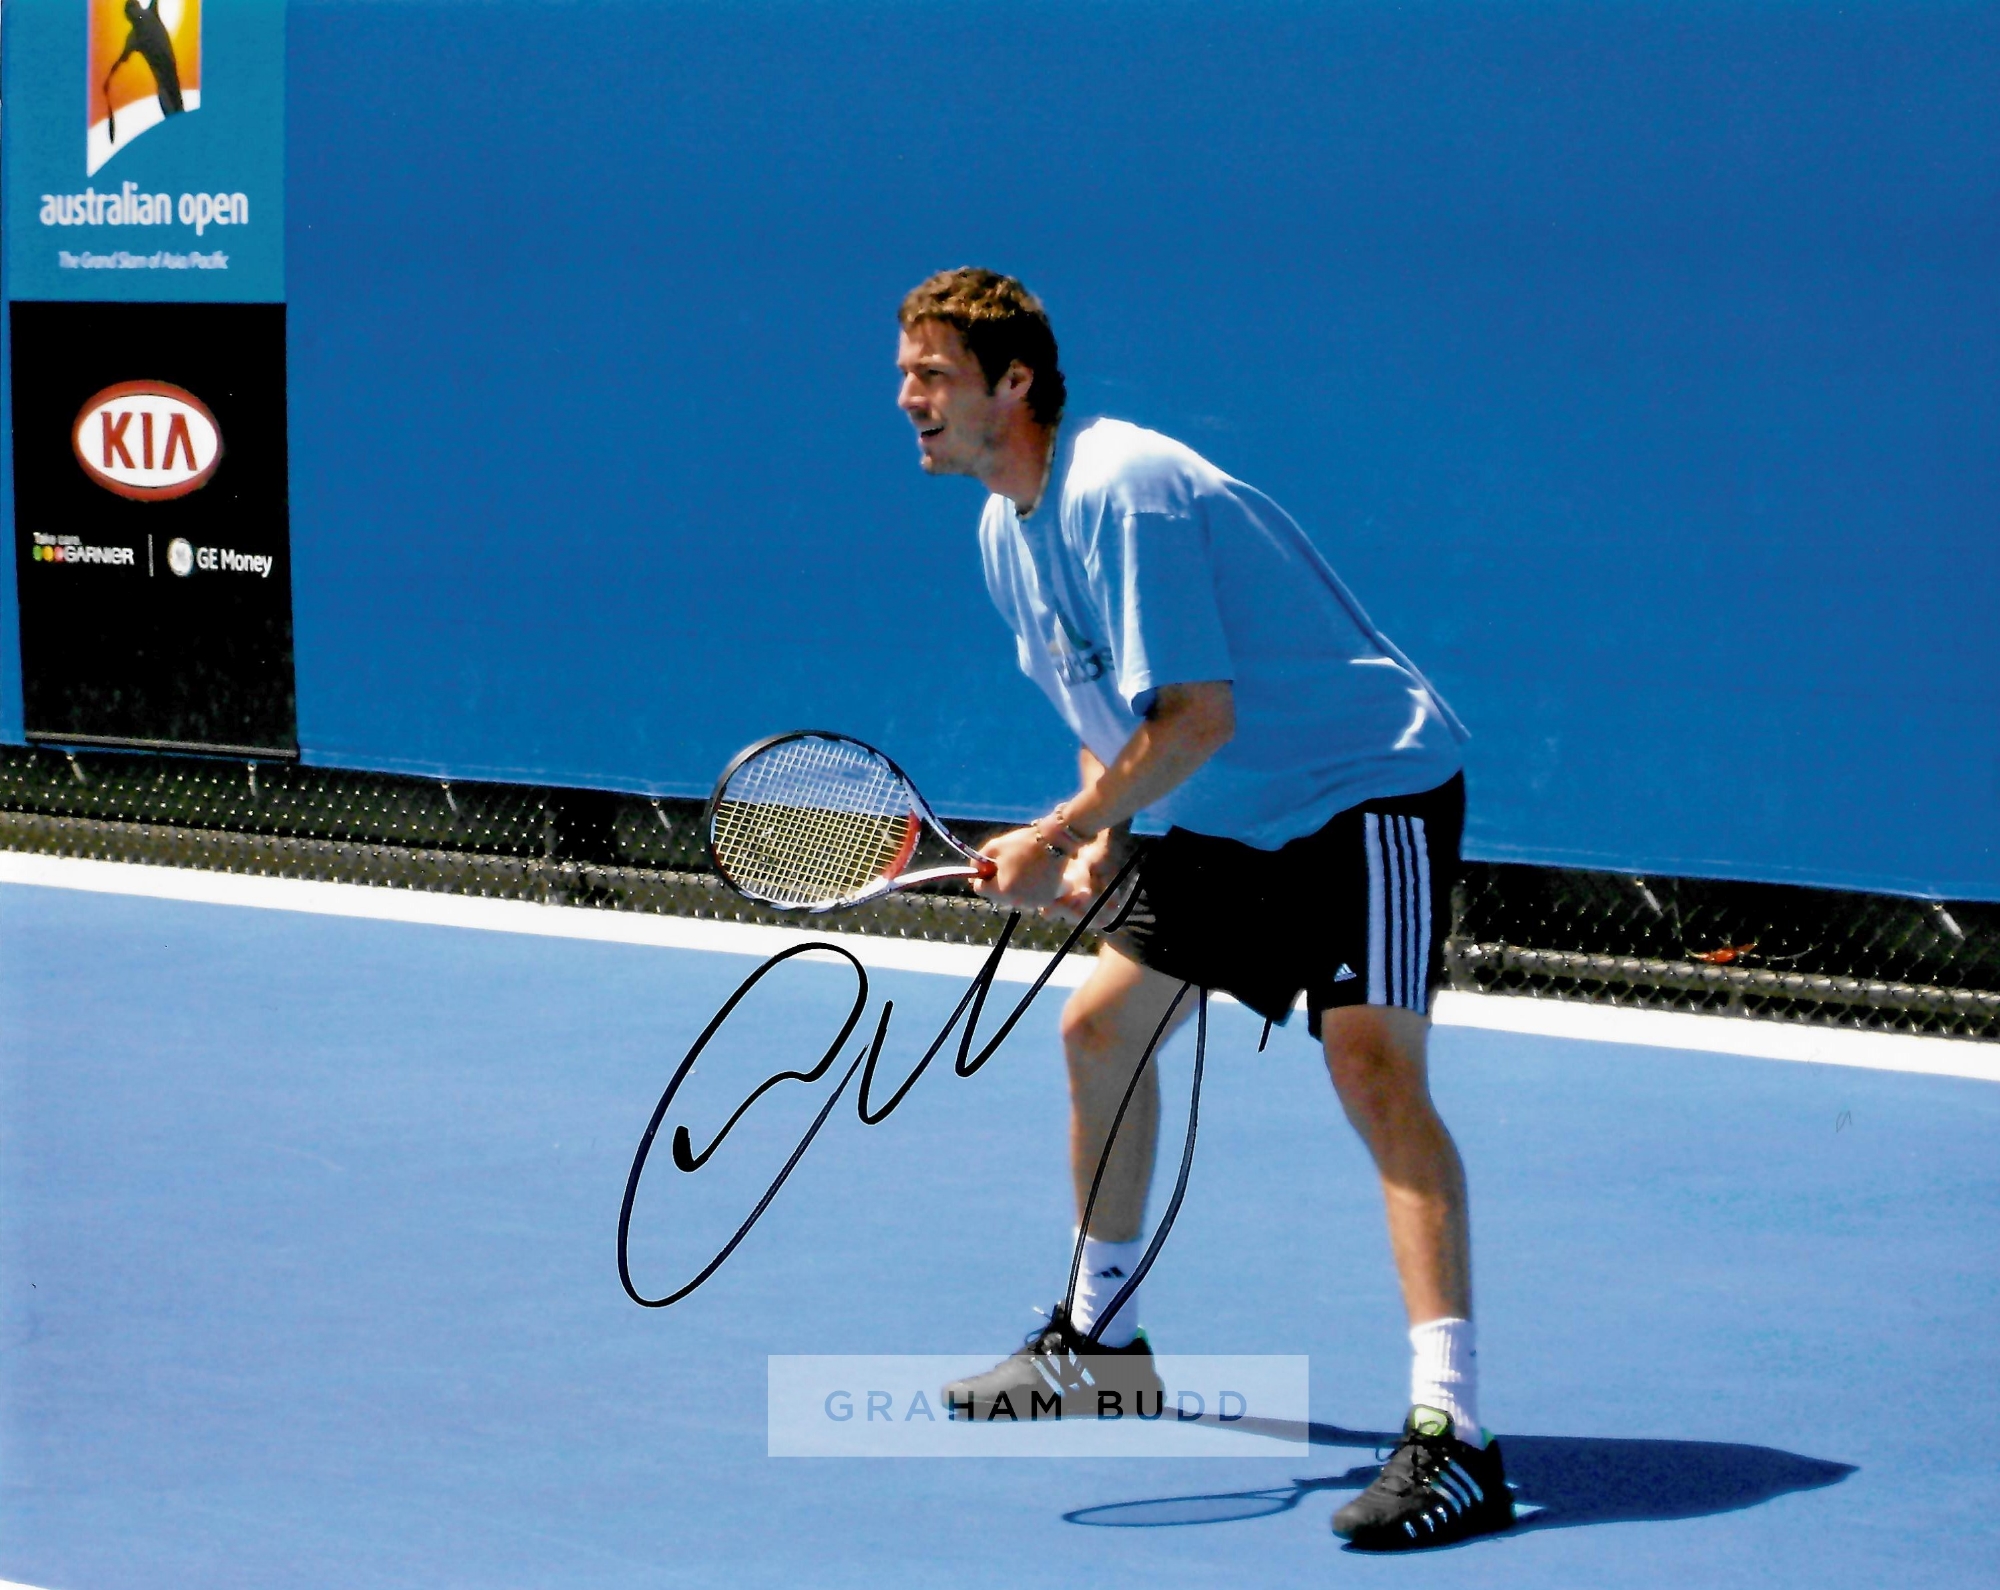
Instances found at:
x=1144 y=565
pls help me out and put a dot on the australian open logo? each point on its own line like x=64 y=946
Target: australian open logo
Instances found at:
x=1078 y=659
x=145 y=65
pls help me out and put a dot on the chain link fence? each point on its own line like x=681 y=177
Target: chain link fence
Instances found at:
x=503 y=841
x=1748 y=949
x=1774 y=951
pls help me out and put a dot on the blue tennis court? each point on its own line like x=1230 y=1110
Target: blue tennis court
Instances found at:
x=307 y=1231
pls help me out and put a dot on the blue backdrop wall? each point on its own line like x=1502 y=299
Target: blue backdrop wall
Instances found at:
x=1636 y=363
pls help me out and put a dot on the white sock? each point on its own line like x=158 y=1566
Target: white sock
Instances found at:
x=1445 y=1375
x=1107 y=1266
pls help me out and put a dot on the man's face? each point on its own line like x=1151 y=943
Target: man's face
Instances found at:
x=959 y=422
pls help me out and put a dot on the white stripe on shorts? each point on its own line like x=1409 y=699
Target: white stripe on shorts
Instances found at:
x=1371 y=842
x=1399 y=911
x=1399 y=902
x=1421 y=848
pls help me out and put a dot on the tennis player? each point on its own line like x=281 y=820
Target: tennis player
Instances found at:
x=1220 y=677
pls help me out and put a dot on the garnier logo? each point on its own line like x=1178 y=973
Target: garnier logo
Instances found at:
x=145 y=439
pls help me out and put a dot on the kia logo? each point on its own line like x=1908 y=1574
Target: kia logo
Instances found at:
x=147 y=440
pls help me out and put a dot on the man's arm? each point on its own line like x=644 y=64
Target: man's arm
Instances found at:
x=1188 y=724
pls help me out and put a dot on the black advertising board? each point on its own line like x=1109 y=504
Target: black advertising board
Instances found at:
x=151 y=533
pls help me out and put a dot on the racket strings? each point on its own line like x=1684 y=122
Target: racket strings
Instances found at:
x=813 y=821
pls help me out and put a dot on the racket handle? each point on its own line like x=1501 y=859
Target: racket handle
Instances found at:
x=987 y=866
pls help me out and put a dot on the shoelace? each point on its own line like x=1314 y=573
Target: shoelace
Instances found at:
x=1416 y=1461
x=1058 y=1345
x=1038 y=1340
x=1059 y=1336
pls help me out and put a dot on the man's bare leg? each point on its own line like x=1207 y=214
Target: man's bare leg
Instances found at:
x=1445 y=1480
x=1105 y=1029
x=1376 y=1057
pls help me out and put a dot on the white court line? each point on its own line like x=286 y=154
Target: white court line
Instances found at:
x=1737 y=1035
x=1548 y=1018
x=516 y=916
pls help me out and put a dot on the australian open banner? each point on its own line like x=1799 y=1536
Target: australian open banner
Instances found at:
x=144 y=142
x=145 y=150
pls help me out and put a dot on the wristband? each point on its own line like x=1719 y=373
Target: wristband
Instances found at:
x=1049 y=844
x=1070 y=831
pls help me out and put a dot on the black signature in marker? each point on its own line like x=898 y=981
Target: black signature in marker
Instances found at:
x=971 y=1005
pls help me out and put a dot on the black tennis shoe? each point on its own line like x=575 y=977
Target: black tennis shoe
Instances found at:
x=1059 y=1373
x=1435 y=1489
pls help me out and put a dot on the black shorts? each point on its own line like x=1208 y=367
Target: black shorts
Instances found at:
x=1355 y=914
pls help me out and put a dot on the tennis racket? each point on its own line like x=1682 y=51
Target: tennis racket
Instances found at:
x=810 y=821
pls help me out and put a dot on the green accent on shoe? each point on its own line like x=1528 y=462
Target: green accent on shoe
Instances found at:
x=1429 y=1421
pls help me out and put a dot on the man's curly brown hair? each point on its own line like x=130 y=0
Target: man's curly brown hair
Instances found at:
x=1000 y=322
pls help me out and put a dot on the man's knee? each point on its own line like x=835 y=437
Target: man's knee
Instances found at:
x=1116 y=1013
x=1371 y=1085
x=1377 y=1066
x=1093 y=1029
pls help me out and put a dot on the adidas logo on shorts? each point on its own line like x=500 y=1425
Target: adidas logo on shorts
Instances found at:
x=1345 y=974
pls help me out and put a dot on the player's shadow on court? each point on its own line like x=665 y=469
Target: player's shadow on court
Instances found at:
x=1566 y=1480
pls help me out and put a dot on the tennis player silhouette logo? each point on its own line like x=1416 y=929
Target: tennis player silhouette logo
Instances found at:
x=145 y=66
